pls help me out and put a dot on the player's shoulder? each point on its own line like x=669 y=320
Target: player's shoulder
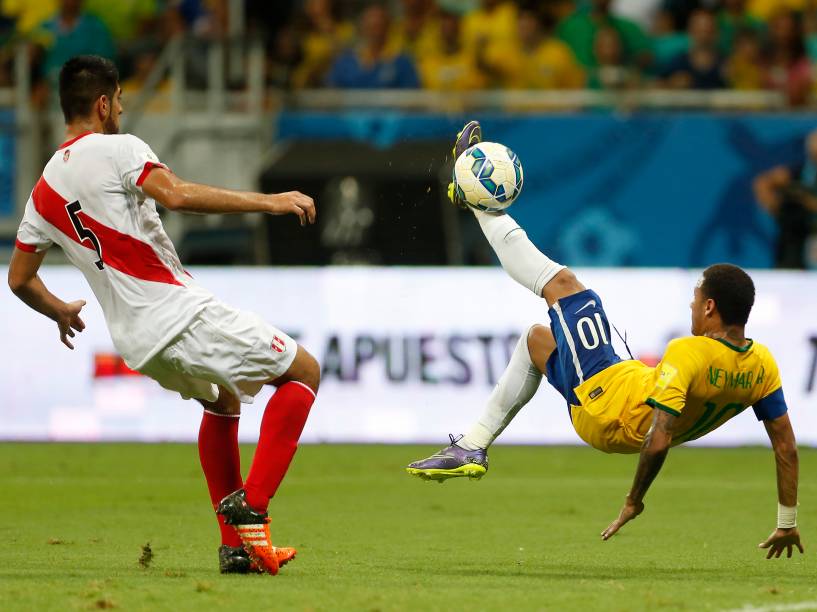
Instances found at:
x=124 y=141
x=691 y=351
x=111 y=145
x=688 y=343
x=762 y=351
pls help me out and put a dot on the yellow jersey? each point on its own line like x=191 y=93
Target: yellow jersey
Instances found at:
x=702 y=381
x=551 y=65
x=454 y=72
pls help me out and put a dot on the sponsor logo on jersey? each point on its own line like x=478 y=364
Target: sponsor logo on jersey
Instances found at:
x=278 y=345
x=589 y=303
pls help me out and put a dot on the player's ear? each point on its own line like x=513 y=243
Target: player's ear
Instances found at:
x=709 y=307
x=103 y=107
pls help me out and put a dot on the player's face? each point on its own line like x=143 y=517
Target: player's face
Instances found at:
x=110 y=123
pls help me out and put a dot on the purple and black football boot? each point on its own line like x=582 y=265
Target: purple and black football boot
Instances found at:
x=451 y=462
x=469 y=135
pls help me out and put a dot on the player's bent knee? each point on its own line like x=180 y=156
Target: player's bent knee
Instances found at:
x=312 y=373
x=226 y=405
x=304 y=369
x=540 y=345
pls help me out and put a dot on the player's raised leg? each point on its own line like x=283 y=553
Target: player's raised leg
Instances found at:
x=520 y=258
x=281 y=426
x=467 y=455
x=547 y=351
x=523 y=262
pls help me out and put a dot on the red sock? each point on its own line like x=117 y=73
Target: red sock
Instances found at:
x=218 y=452
x=283 y=422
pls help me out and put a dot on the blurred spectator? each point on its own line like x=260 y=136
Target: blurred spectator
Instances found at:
x=789 y=194
x=701 y=67
x=326 y=36
x=681 y=10
x=642 y=12
x=73 y=31
x=132 y=87
x=451 y=67
x=765 y=9
x=787 y=68
x=28 y=14
x=580 y=29
x=743 y=68
x=611 y=71
x=125 y=19
x=733 y=18
x=536 y=60
x=493 y=23
x=667 y=41
x=286 y=60
x=371 y=64
x=417 y=31
x=203 y=18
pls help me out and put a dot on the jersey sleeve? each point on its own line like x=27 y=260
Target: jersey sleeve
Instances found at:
x=135 y=160
x=773 y=402
x=31 y=237
x=673 y=376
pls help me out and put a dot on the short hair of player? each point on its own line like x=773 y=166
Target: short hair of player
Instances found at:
x=732 y=291
x=83 y=79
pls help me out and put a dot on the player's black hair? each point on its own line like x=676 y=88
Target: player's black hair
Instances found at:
x=83 y=79
x=732 y=290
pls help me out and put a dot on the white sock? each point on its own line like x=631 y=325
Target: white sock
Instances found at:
x=526 y=264
x=515 y=388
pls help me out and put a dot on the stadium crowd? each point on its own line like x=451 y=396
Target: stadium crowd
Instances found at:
x=450 y=45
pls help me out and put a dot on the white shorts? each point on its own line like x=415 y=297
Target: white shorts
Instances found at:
x=222 y=346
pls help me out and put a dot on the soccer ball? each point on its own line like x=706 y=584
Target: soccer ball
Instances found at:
x=488 y=176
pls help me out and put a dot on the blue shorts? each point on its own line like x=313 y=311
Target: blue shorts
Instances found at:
x=583 y=342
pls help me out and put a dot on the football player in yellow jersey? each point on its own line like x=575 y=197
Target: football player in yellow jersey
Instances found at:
x=624 y=406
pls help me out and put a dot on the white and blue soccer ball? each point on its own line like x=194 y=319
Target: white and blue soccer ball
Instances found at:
x=488 y=176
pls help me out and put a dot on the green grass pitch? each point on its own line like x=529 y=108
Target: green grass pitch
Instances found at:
x=74 y=519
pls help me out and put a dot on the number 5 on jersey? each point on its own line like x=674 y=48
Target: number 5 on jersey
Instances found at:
x=83 y=233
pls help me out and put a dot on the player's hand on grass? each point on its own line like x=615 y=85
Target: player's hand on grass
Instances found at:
x=630 y=510
x=68 y=320
x=293 y=202
x=782 y=539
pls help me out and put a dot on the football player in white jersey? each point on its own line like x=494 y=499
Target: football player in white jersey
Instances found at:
x=97 y=199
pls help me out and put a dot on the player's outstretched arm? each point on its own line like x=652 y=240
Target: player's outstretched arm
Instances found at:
x=786 y=536
x=653 y=452
x=29 y=287
x=176 y=194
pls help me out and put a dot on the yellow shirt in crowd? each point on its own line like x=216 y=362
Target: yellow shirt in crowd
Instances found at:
x=487 y=28
x=551 y=65
x=764 y=9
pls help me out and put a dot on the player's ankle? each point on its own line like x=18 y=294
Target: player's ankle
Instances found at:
x=470 y=445
x=256 y=501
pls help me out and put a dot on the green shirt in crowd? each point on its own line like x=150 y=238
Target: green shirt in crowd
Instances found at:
x=579 y=31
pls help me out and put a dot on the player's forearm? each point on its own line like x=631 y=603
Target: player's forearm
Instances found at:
x=784 y=443
x=36 y=295
x=787 y=474
x=193 y=197
x=649 y=464
x=653 y=452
